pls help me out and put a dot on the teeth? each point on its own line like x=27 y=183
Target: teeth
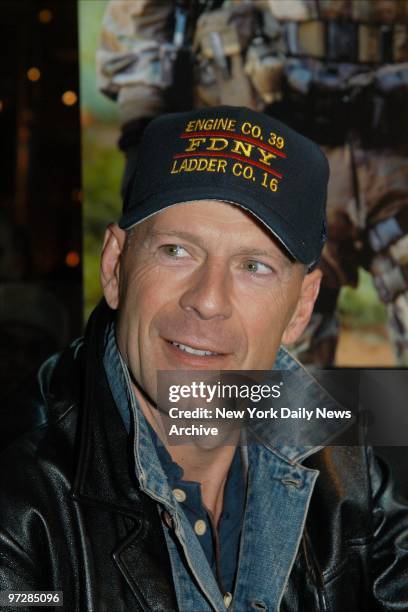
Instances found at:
x=189 y=349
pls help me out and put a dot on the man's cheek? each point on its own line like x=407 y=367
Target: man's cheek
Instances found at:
x=266 y=317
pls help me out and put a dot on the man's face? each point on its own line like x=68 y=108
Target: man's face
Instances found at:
x=202 y=286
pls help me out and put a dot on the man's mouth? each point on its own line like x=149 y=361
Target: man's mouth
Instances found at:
x=194 y=351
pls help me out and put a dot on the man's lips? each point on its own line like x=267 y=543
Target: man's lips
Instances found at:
x=193 y=350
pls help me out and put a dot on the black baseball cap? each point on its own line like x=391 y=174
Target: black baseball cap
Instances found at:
x=235 y=155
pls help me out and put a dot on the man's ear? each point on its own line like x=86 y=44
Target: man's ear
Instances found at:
x=110 y=263
x=300 y=318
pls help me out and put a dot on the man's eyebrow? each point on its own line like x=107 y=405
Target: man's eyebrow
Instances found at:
x=259 y=253
x=279 y=258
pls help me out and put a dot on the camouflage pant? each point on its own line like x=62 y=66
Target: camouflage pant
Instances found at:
x=365 y=188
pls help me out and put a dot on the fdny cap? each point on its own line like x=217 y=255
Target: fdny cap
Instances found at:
x=235 y=155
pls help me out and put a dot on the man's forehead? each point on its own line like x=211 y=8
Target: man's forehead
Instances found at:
x=218 y=211
x=201 y=214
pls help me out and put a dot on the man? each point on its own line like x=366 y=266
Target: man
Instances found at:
x=211 y=267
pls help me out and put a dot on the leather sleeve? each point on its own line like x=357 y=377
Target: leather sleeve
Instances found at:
x=22 y=541
x=390 y=539
x=18 y=570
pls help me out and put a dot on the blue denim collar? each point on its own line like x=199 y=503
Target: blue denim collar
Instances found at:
x=294 y=440
x=147 y=464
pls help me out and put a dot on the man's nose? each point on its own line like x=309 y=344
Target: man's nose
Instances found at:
x=209 y=292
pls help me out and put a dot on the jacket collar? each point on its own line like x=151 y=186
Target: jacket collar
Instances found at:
x=296 y=439
x=147 y=465
x=103 y=471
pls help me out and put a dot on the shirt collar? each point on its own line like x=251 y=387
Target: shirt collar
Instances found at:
x=149 y=471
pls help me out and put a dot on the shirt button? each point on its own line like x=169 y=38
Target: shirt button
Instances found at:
x=227 y=599
x=180 y=495
x=200 y=527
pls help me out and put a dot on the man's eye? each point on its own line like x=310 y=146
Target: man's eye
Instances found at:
x=174 y=250
x=257 y=267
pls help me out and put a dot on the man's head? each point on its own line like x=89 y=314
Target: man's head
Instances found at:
x=207 y=282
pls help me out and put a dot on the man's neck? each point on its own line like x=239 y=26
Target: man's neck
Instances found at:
x=200 y=463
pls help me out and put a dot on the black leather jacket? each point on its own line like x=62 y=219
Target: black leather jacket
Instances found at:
x=72 y=516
